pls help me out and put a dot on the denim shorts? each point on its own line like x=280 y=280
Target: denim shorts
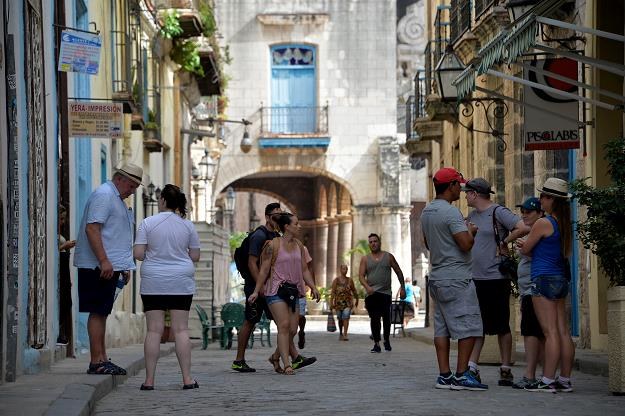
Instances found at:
x=302 y=305
x=551 y=287
x=273 y=299
x=343 y=314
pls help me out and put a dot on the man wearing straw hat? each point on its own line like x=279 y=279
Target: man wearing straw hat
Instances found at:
x=103 y=252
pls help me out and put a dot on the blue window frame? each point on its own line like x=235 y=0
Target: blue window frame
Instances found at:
x=293 y=89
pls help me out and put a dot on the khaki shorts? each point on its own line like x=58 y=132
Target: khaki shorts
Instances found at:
x=456 y=309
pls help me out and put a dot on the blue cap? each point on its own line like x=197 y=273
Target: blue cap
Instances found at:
x=530 y=204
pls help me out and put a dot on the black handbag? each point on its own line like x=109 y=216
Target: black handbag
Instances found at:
x=289 y=293
x=508 y=265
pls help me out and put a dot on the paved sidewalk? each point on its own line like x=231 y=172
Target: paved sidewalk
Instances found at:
x=66 y=389
x=347 y=379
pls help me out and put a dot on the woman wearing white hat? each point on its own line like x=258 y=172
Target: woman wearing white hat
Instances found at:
x=549 y=244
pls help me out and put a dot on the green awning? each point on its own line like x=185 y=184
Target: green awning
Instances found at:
x=521 y=38
x=465 y=83
x=492 y=53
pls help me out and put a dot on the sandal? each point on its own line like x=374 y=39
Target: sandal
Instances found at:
x=144 y=387
x=105 y=367
x=276 y=364
x=193 y=385
x=288 y=371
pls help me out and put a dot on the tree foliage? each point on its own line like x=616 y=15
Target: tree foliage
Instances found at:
x=603 y=230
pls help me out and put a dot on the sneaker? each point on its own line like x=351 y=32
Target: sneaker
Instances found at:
x=242 y=367
x=376 y=348
x=523 y=383
x=563 y=386
x=476 y=375
x=539 y=386
x=505 y=377
x=467 y=382
x=444 y=382
x=302 y=361
x=387 y=346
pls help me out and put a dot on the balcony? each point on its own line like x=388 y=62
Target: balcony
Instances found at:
x=188 y=14
x=123 y=84
x=490 y=18
x=294 y=127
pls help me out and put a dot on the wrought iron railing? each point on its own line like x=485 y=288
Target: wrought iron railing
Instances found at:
x=441 y=27
x=294 y=120
x=481 y=6
x=411 y=115
x=421 y=89
x=459 y=18
x=122 y=62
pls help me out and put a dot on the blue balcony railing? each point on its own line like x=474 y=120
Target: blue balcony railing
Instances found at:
x=278 y=121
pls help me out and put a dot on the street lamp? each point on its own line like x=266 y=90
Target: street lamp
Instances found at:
x=229 y=202
x=206 y=167
x=518 y=8
x=246 y=142
x=447 y=70
x=148 y=193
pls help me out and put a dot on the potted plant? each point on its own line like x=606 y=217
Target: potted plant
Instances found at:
x=603 y=233
x=150 y=129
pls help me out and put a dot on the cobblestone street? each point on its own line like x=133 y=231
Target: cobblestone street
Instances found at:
x=347 y=379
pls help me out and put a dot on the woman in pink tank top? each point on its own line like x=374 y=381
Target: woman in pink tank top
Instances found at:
x=282 y=270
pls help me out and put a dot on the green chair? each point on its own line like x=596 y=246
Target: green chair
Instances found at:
x=264 y=326
x=206 y=326
x=232 y=315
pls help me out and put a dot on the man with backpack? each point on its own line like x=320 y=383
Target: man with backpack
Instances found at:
x=247 y=258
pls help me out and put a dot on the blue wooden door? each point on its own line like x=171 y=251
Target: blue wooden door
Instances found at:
x=293 y=90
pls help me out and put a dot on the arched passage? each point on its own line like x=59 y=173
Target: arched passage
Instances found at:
x=314 y=199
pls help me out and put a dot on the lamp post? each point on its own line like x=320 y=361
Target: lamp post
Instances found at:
x=447 y=70
x=246 y=142
x=206 y=173
x=229 y=202
x=148 y=200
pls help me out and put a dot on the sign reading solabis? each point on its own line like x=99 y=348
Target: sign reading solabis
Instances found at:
x=80 y=52
x=92 y=119
x=544 y=130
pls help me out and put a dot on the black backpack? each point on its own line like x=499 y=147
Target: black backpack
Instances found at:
x=242 y=253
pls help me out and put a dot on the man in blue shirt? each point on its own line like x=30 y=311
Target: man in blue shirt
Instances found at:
x=103 y=253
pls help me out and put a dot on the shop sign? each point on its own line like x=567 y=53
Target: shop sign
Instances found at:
x=80 y=52
x=96 y=120
x=543 y=130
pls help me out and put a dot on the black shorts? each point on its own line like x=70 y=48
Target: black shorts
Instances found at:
x=166 y=302
x=254 y=311
x=494 y=299
x=96 y=295
x=530 y=327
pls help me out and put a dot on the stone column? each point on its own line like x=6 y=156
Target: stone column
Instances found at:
x=344 y=242
x=331 y=267
x=320 y=251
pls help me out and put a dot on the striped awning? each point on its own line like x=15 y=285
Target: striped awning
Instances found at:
x=521 y=38
x=492 y=53
x=465 y=83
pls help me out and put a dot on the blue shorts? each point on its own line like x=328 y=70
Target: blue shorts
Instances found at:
x=302 y=306
x=552 y=287
x=343 y=314
x=273 y=299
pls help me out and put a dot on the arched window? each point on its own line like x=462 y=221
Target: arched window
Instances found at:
x=293 y=89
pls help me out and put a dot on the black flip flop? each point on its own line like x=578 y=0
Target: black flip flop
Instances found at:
x=144 y=387
x=193 y=385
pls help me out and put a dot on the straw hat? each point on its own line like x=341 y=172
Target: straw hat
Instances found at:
x=555 y=187
x=132 y=172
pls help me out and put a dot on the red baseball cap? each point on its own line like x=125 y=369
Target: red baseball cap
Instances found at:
x=448 y=175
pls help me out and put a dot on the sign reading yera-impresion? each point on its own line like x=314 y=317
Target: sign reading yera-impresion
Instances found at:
x=544 y=130
x=99 y=120
x=80 y=52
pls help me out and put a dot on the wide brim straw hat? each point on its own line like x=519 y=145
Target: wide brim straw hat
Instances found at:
x=556 y=187
x=132 y=172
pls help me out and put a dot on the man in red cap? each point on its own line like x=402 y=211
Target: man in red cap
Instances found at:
x=456 y=309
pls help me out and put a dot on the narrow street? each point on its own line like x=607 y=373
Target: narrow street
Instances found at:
x=347 y=379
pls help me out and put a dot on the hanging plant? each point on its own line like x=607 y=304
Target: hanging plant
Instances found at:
x=185 y=53
x=171 y=26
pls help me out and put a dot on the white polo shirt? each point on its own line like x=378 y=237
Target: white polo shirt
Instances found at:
x=106 y=207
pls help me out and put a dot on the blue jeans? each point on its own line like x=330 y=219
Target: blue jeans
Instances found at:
x=552 y=287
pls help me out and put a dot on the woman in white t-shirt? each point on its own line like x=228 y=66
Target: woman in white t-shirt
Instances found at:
x=168 y=245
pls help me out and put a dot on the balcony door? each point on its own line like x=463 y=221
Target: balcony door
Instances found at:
x=293 y=89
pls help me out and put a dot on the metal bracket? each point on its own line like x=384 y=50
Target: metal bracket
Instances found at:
x=95 y=26
x=498 y=112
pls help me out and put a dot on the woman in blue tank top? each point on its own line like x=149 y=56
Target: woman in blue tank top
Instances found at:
x=549 y=242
